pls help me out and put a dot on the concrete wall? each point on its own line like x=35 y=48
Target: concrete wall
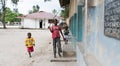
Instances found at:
x=106 y=50
x=76 y=28
x=72 y=7
x=29 y=23
x=46 y=24
x=92 y=30
x=37 y=23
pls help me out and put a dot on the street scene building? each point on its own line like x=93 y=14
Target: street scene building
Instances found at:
x=93 y=35
x=94 y=25
x=38 y=20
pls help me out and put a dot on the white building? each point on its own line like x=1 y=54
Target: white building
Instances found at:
x=37 y=20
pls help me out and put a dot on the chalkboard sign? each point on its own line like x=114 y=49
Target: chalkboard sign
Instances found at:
x=112 y=18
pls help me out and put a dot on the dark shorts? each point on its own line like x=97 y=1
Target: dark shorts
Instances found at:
x=30 y=49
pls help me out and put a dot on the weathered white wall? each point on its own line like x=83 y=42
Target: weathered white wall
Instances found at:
x=34 y=23
x=37 y=23
x=29 y=23
x=104 y=48
x=46 y=23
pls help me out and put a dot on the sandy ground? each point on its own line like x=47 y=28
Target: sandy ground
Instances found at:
x=13 y=51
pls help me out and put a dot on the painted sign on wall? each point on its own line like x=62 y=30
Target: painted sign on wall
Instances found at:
x=112 y=18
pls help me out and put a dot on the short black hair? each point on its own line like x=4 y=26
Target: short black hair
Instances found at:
x=29 y=33
x=55 y=20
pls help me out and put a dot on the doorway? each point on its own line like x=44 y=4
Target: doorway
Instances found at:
x=40 y=24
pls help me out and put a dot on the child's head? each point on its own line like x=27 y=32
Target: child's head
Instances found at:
x=66 y=27
x=29 y=35
x=55 y=21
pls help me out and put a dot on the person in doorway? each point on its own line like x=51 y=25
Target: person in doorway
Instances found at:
x=30 y=42
x=56 y=30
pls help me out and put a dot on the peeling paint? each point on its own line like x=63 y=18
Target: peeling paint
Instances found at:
x=113 y=53
x=109 y=62
x=101 y=50
x=114 y=44
x=118 y=57
x=100 y=1
x=105 y=49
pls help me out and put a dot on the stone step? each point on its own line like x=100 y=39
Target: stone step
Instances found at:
x=68 y=50
x=62 y=59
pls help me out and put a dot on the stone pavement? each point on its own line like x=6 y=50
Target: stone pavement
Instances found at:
x=13 y=51
x=91 y=60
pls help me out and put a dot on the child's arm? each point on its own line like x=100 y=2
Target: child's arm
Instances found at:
x=26 y=42
x=50 y=29
x=61 y=33
x=33 y=41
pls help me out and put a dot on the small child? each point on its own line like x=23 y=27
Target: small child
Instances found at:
x=66 y=32
x=30 y=42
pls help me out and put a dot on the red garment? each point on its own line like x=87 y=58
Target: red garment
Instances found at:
x=56 y=31
x=30 y=49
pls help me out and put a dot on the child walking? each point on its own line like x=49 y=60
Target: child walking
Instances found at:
x=66 y=32
x=29 y=42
